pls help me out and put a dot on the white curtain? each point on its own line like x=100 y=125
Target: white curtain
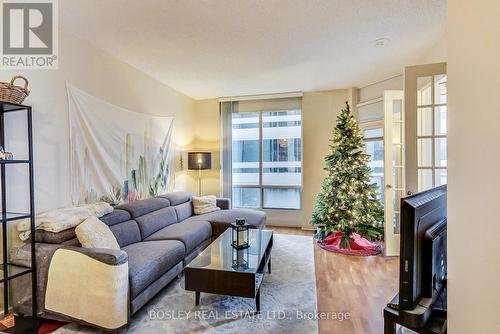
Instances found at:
x=226 y=110
x=116 y=155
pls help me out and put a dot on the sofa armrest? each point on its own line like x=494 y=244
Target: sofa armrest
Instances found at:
x=89 y=284
x=84 y=284
x=224 y=203
x=107 y=256
x=21 y=256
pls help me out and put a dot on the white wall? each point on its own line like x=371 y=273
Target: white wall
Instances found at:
x=474 y=166
x=101 y=75
x=319 y=112
x=375 y=111
x=207 y=138
x=376 y=89
x=437 y=53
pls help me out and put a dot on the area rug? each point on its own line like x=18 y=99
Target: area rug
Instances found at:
x=288 y=301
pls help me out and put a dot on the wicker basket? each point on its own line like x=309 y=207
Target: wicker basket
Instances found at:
x=14 y=94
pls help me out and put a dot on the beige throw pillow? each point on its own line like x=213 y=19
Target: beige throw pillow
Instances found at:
x=204 y=204
x=93 y=233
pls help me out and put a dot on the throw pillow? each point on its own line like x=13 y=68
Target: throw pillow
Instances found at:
x=204 y=204
x=93 y=233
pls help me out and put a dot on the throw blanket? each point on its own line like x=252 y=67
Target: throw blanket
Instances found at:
x=58 y=220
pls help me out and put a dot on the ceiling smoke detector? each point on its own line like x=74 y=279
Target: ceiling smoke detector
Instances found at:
x=381 y=42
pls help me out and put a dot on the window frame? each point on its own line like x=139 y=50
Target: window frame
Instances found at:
x=260 y=186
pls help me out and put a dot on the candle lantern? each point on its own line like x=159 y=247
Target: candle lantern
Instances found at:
x=240 y=233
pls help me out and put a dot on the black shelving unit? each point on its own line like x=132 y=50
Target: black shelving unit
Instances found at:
x=11 y=271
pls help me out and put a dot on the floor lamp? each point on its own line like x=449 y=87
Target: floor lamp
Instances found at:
x=199 y=161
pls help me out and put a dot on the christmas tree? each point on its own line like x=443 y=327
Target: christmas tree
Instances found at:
x=347 y=201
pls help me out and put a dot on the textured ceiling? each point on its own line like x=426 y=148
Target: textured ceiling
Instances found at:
x=236 y=47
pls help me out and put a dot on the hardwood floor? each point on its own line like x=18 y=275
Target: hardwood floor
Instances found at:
x=360 y=286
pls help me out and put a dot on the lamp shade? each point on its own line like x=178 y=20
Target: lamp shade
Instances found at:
x=199 y=160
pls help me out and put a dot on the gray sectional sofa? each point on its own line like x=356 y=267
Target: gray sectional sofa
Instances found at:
x=157 y=237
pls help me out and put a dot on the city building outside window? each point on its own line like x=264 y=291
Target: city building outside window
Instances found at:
x=267 y=159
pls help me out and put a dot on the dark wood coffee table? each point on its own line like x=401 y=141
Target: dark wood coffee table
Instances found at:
x=223 y=270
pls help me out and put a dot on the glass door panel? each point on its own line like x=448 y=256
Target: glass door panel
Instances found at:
x=440 y=152
x=424 y=179
x=424 y=151
x=424 y=91
x=394 y=167
x=374 y=147
x=431 y=131
x=397 y=179
x=425 y=130
x=440 y=177
x=424 y=121
x=397 y=158
x=440 y=118
x=440 y=90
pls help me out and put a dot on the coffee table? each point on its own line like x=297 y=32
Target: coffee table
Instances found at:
x=221 y=269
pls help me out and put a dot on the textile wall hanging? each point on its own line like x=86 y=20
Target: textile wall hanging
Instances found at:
x=116 y=155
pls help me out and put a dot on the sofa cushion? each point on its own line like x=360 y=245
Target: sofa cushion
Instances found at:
x=177 y=197
x=204 y=204
x=142 y=207
x=184 y=211
x=222 y=219
x=148 y=260
x=191 y=232
x=126 y=233
x=115 y=217
x=73 y=242
x=55 y=237
x=155 y=221
x=93 y=233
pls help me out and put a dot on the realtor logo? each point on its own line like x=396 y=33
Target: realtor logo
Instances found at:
x=29 y=34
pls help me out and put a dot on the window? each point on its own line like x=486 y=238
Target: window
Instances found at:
x=245 y=150
x=267 y=159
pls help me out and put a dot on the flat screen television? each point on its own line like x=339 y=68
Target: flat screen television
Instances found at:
x=423 y=259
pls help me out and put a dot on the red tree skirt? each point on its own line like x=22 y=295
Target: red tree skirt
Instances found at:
x=358 y=245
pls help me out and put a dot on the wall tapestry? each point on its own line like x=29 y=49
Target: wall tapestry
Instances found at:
x=116 y=155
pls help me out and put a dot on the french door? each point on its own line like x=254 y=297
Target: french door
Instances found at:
x=426 y=112
x=394 y=167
